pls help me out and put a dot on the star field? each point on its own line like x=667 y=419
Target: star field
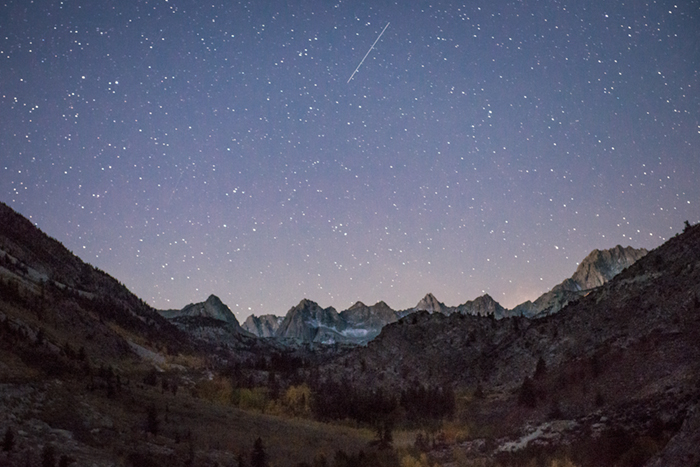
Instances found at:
x=190 y=148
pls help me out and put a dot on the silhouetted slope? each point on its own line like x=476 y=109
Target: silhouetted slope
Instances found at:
x=45 y=274
x=629 y=347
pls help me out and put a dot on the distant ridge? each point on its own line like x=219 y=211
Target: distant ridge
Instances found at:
x=308 y=322
x=596 y=269
x=213 y=307
x=211 y=321
x=432 y=305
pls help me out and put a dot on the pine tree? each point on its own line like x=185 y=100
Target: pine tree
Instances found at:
x=540 y=369
x=385 y=436
x=527 y=395
x=258 y=458
x=152 y=422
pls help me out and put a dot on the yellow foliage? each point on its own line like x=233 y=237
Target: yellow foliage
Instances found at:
x=410 y=461
x=455 y=433
x=252 y=399
x=188 y=361
x=215 y=390
x=296 y=400
x=293 y=403
x=566 y=462
x=275 y=408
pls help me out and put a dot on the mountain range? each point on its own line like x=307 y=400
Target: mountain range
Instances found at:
x=307 y=322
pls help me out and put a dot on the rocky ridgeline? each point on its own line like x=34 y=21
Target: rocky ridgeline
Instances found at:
x=308 y=322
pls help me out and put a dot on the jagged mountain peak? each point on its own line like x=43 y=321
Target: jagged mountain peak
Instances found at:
x=212 y=307
x=484 y=305
x=373 y=316
x=213 y=300
x=485 y=298
x=597 y=268
x=309 y=322
x=430 y=304
x=602 y=265
x=262 y=326
x=309 y=306
x=303 y=321
x=305 y=303
x=358 y=304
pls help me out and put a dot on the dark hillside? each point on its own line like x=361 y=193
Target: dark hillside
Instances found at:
x=90 y=375
x=40 y=273
x=627 y=354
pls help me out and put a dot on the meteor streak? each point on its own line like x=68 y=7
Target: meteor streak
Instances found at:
x=370 y=49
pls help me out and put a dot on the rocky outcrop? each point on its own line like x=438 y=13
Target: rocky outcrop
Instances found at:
x=548 y=303
x=262 y=326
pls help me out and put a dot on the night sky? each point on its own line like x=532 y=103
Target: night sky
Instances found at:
x=190 y=148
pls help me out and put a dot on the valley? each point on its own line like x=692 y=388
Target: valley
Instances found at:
x=601 y=370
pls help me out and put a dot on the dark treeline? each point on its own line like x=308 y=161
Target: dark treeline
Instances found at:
x=278 y=362
x=428 y=402
x=333 y=400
